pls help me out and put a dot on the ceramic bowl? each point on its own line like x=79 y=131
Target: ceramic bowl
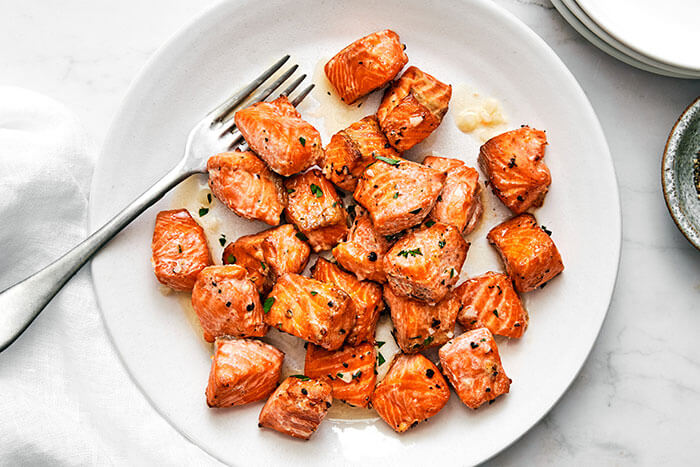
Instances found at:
x=680 y=173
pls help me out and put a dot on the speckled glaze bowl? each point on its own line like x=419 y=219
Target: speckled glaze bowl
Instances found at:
x=678 y=175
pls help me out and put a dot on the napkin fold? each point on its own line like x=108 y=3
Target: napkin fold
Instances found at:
x=65 y=399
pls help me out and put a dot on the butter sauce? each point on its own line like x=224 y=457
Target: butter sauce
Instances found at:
x=479 y=115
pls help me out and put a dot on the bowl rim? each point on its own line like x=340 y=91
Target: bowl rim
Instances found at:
x=668 y=182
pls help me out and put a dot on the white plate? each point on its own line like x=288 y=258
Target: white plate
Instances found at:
x=607 y=44
x=666 y=31
x=472 y=42
x=619 y=49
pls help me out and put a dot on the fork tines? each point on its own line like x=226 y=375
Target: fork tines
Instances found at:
x=247 y=96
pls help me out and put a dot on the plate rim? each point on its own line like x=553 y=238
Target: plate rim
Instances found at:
x=668 y=179
x=573 y=21
x=589 y=23
x=515 y=21
x=640 y=50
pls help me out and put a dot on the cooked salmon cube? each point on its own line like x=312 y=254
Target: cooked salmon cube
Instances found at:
x=472 y=364
x=284 y=250
x=366 y=64
x=530 y=256
x=349 y=370
x=459 y=203
x=242 y=371
x=351 y=150
x=412 y=391
x=426 y=263
x=418 y=325
x=312 y=310
x=179 y=248
x=398 y=193
x=325 y=238
x=514 y=164
x=490 y=301
x=247 y=252
x=412 y=108
x=365 y=296
x=363 y=251
x=316 y=209
x=269 y=254
x=227 y=303
x=276 y=132
x=297 y=407
x=244 y=183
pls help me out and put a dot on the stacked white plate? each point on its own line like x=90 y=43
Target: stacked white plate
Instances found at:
x=660 y=36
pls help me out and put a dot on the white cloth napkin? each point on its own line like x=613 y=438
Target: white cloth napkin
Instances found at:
x=65 y=399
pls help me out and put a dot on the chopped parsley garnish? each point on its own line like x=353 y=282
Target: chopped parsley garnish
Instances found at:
x=547 y=231
x=415 y=211
x=495 y=312
x=203 y=211
x=230 y=259
x=291 y=190
x=301 y=236
x=314 y=293
x=430 y=223
x=428 y=340
x=406 y=253
x=264 y=266
x=316 y=190
x=357 y=374
x=452 y=273
x=179 y=248
x=302 y=140
x=388 y=160
x=442 y=243
x=222 y=240
x=269 y=301
x=301 y=377
x=209 y=197
x=380 y=359
x=396 y=195
x=380 y=344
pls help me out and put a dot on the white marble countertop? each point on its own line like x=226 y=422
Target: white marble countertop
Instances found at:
x=637 y=399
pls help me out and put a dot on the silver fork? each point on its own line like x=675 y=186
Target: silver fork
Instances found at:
x=216 y=132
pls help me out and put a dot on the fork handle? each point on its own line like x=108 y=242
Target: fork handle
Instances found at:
x=21 y=303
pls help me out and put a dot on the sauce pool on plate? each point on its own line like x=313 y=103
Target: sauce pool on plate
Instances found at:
x=476 y=114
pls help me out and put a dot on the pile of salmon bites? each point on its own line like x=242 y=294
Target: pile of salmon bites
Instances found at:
x=402 y=248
